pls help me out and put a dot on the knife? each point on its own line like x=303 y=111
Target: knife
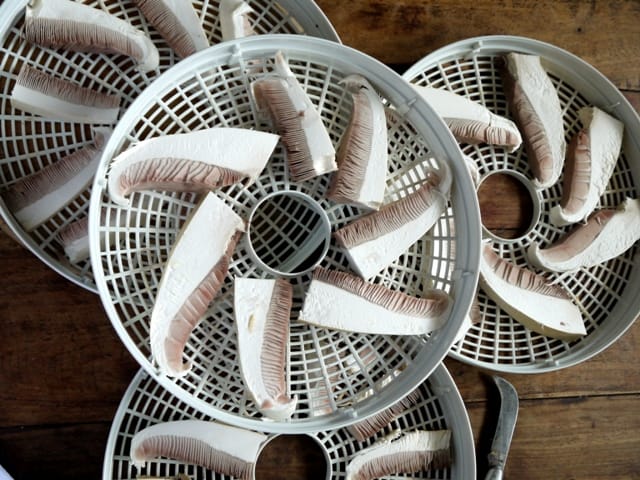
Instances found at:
x=504 y=429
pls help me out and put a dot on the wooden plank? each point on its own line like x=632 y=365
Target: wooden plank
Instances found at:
x=402 y=32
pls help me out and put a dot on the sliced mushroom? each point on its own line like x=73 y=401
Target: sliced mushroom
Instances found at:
x=606 y=234
x=310 y=151
x=191 y=279
x=362 y=155
x=36 y=197
x=42 y=94
x=222 y=448
x=177 y=22
x=262 y=309
x=592 y=155
x=342 y=301
x=469 y=121
x=374 y=241
x=541 y=307
x=535 y=106
x=196 y=161
x=409 y=453
x=79 y=27
x=235 y=20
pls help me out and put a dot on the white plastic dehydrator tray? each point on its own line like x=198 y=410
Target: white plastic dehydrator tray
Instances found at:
x=607 y=293
x=325 y=367
x=438 y=406
x=30 y=142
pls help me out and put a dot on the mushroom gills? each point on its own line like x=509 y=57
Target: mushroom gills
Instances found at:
x=235 y=20
x=177 y=22
x=591 y=158
x=79 y=27
x=536 y=108
x=39 y=93
x=37 y=197
x=362 y=155
x=222 y=448
x=196 y=161
x=409 y=453
x=469 y=121
x=375 y=240
x=193 y=275
x=341 y=301
x=280 y=96
x=262 y=308
x=541 y=307
x=607 y=234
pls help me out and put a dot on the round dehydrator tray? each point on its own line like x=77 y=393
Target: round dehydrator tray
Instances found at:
x=30 y=142
x=438 y=406
x=606 y=293
x=326 y=366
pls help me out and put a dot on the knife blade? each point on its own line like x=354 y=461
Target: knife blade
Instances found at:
x=504 y=429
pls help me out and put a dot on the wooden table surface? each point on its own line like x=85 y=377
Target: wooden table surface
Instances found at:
x=63 y=370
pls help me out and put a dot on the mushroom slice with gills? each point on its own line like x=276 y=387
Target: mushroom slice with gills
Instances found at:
x=37 y=197
x=592 y=155
x=280 y=96
x=536 y=108
x=541 y=307
x=374 y=241
x=607 y=234
x=79 y=27
x=262 y=309
x=194 y=272
x=222 y=448
x=235 y=21
x=177 y=22
x=362 y=155
x=469 y=121
x=343 y=301
x=42 y=94
x=196 y=161
x=407 y=453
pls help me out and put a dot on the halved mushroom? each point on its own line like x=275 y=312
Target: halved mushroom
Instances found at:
x=177 y=22
x=373 y=241
x=36 y=197
x=409 y=453
x=362 y=155
x=222 y=448
x=196 y=161
x=343 y=301
x=592 y=155
x=196 y=268
x=79 y=27
x=535 y=106
x=541 y=307
x=235 y=21
x=43 y=94
x=469 y=121
x=310 y=151
x=262 y=309
x=606 y=234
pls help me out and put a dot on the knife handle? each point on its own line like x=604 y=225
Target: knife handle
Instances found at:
x=495 y=473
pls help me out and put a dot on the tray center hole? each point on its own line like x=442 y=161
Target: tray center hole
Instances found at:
x=289 y=233
x=294 y=457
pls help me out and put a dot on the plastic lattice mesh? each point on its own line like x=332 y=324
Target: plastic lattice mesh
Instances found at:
x=30 y=142
x=329 y=371
x=146 y=403
x=604 y=293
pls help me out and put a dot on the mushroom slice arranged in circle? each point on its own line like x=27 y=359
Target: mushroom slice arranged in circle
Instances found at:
x=196 y=161
x=407 y=453
x=606 y=234
x=342 y=301
x=541 y=307
x=262 y=308
x=235 y=21
x=78 y=27
x=196 y=268
x=222 y=448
